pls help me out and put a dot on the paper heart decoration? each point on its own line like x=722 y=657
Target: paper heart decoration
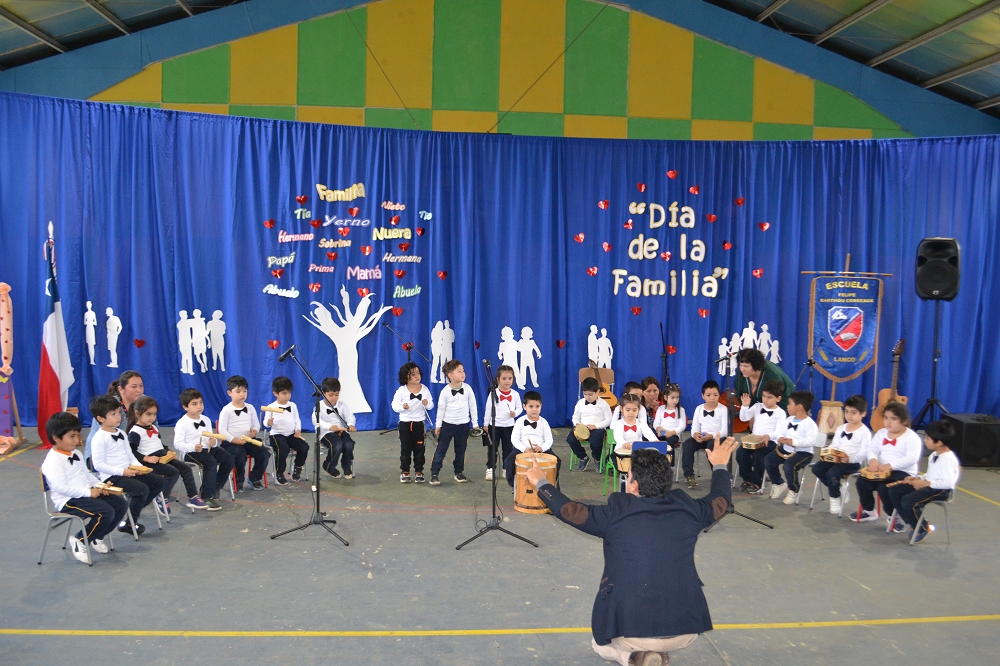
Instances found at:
x=394 y=219
x=302 y=199
x=665 y=256
x=703 y=312
x=316 y=223
x=628 y=225
x=343 y=231
x=606 y=245
x=693 y=189
x=764 y=226
x=399 y=272
x=560 y=343
x=442 y=274
x=278 y=272
x=420 y=231
x=671 y=349
x=273 y=344
x=578 y=238
x=397 y=311
x=476 y=343
x=758 y=272
x=740 y=201
x=603 y=205
x=407 y=346
x=641 y=186
x=363 y=291
x=404 y=246
x=711 y=218
x=314 y=287
x=353 y=212
x=672 y=174
x=366 y=250
x=139 y=343
x=636 y=309
x=592 y=270
x=269 y=224
x=331 y=255
x=727 y=246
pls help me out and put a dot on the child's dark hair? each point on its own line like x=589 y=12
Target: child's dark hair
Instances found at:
x=450 y=366
x=775 y=387
x=404 y=372
x=138 y=408
x=189 y=394
x=102 y=405
x=900 y=410
x=60 y=424
x=858 y=402
x=671 y=388
x=123 y=380
x=630 y=398
x=236 y=382
x=710 y=384
x=330 y=385
x=281 y=384
x=803 y=398
x=590 y=384
x=939 y=431
x=505 y=368
x=532 y=395
x=632 y=385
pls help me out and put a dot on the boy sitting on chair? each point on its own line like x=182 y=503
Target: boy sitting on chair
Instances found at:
x=936 y=485
x=796 y=439
x=237 y=422
x=215 y=462
x=709 y=421
x=852 y=439
x=766 y=416
x=593 y=412
x=335 y=425
x=532 y=433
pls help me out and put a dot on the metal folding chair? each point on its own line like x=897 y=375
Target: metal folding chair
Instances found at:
x=845 y=491
x=58 y=519
x=922 y=519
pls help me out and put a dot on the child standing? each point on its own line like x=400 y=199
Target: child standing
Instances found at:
x=592 y=411
x=670 y=419
x=144 y=438
x=335 y=425
x=412 y=402
x=237 y=422
x=532 y=433
x=286 y=431
x=508 y=407
x=215 y=462
x=766 y=416
x=456 y=407
x=709 y=420
x=853 y=438
x=896 y=449
x=937 y=484
x=796 y=435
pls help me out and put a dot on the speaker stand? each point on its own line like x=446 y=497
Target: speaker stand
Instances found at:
x=928 y=409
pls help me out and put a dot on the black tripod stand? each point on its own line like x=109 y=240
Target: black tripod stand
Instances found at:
x=809 y=363
x=932 y=402
x=494 y=521
x=318 y=514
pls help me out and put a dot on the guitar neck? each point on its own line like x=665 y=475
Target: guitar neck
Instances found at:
x=895 y=375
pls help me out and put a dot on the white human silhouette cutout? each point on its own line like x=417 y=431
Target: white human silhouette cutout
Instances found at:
x=114 y=330
x=592 y=344
x=749 y=338
x=436 y=361
x=216 y=339
x=184 y=342
x=723 y=351
x=605 y=352
x=507 y=353
x=764 y=340
x=199 y=339
x=528 y=348
x=734 y=347
x=447 y=345
x=90 y=324
x=775 y=358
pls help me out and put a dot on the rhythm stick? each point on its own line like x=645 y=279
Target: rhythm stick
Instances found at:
x=276 y=410
x=141 y=469
x=111 y=490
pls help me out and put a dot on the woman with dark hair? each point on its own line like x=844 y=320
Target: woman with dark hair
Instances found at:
x=651 y=399
x=126 y=389
x=755 y=371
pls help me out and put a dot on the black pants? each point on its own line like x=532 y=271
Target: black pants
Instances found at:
x=281 y=444
x=240 y=453
x=832 y=474
x=169 y=474
x=867 y=489
x=790 y=466
x=216 y=466
x=751 y=463
x=910 y=501
x=184 y=470
x=596 y=444
x=691 y=446
x=338 y=444
x=411 y=445
x=102 y=514
x=451 y=431
x=510 y=466
x=502 y=436
x=140 y=490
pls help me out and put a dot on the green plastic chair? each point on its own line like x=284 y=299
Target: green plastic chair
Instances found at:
x=606 y=466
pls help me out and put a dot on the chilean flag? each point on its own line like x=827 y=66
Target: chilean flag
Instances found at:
x=55 y=375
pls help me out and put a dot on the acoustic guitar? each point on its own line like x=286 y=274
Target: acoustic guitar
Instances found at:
x=887 y=395
x=604 y=392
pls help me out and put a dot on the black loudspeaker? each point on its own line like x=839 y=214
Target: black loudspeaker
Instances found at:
x=938 y=269
x=977 y=439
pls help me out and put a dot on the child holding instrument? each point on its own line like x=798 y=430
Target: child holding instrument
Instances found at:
x=894 y=449
x=335 y=425
x=937 y=484
x=215 y=462
x=72 y=488
x=795 y=438
x=635 y=388
x=630 y=432
x=508 y=407
x=709 y=420
x=532 y=433
x=593 y=412
x=286 y=431
x=766 y=416
x=238 y=423
x=456 y=408
x=853 y=439
x=113 y=461
x=412 y=402
x=144 y=438
x=670 y=419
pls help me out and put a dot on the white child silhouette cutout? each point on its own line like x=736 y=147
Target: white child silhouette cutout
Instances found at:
x=114 y=330
x=605 y=352
x=436 y=361
x=723 y=351
x=184 y=342
x=592 y=344
x=764 y=340
x=199 y=339
x=775 y=358
x=447 y=345
x=749 y=339
x=507 y=353
x=216 y=339
x=734 y=347
x=528 y=348
x=90 y=324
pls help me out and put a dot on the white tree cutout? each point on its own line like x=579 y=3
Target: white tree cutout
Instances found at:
x=346 y=338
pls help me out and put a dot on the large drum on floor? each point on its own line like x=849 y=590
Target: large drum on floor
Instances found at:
x=525 y=499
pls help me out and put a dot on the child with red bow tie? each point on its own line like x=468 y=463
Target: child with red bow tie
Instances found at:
x=895 y=448
x=144 y=438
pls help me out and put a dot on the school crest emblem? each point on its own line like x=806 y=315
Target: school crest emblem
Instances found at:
x=845 y=325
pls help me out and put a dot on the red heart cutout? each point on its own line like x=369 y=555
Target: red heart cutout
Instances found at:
x=758 y=272
x=139 y=343
x=671 y=349
x=711 y=218
x=727 y=246
x=606 y=245
x=316 y=223
x=363 y=291
x=641 y=186
x=703 y=312
x=420 y=231
x=672 y=174
x=353 y=212
x=278 y=272
x=764 y=226
x=366 y=250
x=394 y=219
x=740 y=201
x=693 y=189
x=404 y=246
x=628 y=225
x=665 y=256
x=331 y=255
x=399 y=273
x=560 y=343
x=592 y=270
x=578 y=238
x=343 y=231
x=603 y=205
x=397 y=311
x=269 y=224
x=302 y=199
x=273 y=344
x=636 y=309
x=314 y=287
x=442 y=274
x=476 y=343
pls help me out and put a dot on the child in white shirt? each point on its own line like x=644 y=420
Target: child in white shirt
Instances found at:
x=911 y=494
x=670 y=419
x=413 y=402
x=710 y=419
x=532 y=433
x=149 y=450
x=766 y=416
x=895 y=449
x=456 y=408
x=508 y=408
x=335 y=424
x=237 y=422
x=795 y=439
x=635 y=388
x=286 y=431
x=592 y=411
x=216 y=463
x=852 y=439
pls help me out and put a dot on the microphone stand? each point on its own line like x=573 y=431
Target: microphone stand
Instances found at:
x=318 y=514
x=663 y=356
x=811 y=362
x=408 y=346
x=495 y=520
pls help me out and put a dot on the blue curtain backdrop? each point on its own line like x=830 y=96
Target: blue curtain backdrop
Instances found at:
x=158 y=211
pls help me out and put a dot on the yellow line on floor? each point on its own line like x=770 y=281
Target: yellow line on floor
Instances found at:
x=985 y=499
x=17 y=453
x=469 y=632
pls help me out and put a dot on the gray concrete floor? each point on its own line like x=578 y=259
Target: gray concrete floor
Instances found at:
x=220 y=572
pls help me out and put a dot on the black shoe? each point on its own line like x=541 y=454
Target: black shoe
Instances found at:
x=743 y=486
x=460 y=477
x=691 y=481
x=435 y=481
x=258 y=485
x=127 y=529
x=238 y=486
x=335 y=473
x=296 y=474
x=281 y=479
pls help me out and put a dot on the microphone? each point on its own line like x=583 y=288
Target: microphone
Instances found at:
x=726 y=357
x=486 y=362
x=281 y=359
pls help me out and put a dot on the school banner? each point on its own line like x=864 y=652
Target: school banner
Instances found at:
x=844 y=317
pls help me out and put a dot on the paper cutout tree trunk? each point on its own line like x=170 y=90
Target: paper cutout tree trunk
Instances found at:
x=346 y=337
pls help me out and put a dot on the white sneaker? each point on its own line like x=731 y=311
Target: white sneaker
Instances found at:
x=778 y=490
x=489 y=474
x=99 y=546
x=790 y=497
x=865 y=517
x=835 y=504
x=80 y=551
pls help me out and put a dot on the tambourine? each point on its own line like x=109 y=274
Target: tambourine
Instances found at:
x=476 y=432
x=780 y=450
x=875 y=476
x=830 y=454
x=753 y=442
x=581 y=432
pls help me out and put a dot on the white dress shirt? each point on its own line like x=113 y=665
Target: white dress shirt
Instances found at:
x=66 y=480
x=328 y=417
x=597 y=414
x=764 y=423
x=111 y=454
x=854 y=444
x=145 y=441
x=417 y=409
x=624 y=433
x=710 y=424
x=675 y=423
x=802 y=433
x=288 y=422
x=457 y=408
x=234 y=425
x=540 y=435
x=507 y=402
x=902 y=456
x=187 y=434
x=943 y=471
